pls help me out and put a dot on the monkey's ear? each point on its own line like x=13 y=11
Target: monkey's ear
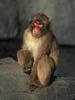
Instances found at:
x=48 y=25
x=31 y=23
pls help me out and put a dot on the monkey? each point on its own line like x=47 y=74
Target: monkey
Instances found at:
x=40 y=52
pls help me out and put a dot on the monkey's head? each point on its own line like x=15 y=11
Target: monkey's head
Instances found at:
x=39 y=24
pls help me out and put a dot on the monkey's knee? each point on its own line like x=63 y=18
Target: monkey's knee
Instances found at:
x=44 y=71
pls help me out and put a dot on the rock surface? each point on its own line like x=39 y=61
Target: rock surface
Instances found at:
x=8 y=19
x=13 y=85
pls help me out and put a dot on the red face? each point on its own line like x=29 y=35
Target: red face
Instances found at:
x=37 y=26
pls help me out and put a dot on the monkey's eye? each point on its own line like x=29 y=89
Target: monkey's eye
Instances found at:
x=39 y=20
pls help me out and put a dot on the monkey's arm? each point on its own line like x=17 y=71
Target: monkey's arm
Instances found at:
x=21 y=57
x=54 y=54
x=25 y=59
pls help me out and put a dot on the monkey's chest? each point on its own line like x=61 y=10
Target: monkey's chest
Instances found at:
x=36 y=46
x=33 y=47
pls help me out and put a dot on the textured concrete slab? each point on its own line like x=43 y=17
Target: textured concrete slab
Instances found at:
x=13 y=85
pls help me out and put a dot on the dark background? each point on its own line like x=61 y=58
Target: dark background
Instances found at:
x=15 y=16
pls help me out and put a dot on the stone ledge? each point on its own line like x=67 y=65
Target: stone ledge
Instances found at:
x=13 y=85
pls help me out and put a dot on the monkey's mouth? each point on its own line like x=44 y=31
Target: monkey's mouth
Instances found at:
x=36 y=29
x=36 y=33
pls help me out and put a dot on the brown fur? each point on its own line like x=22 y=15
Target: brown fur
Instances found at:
x=42 y=52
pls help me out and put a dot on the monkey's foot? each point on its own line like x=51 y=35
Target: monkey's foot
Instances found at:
x=32 y=88
x=37 y=83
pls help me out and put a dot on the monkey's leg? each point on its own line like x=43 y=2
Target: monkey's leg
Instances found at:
x=45 y=70
x=21 y=57
x=25 y=59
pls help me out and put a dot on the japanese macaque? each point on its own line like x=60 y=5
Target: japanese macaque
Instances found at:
x=40 y=51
